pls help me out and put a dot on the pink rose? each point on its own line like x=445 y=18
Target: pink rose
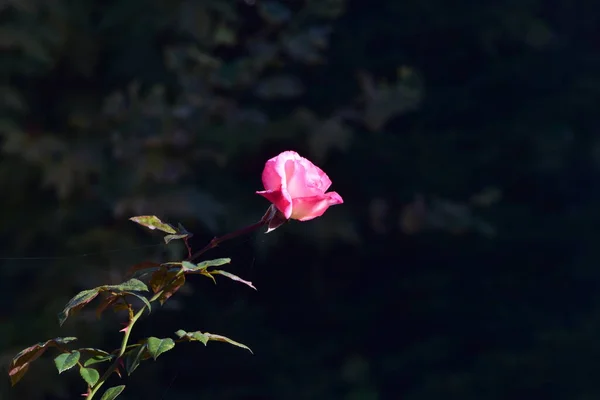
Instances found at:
x=296 y=187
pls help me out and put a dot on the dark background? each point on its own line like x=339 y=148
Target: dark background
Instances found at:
x=463 y=137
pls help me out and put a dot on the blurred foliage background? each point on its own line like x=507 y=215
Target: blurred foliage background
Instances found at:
x=462 y=136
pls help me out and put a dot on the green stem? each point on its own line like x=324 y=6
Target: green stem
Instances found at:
x=124 y=343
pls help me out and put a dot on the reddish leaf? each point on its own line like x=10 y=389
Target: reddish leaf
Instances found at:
x=233 y=277
x=172 y=287
x=158 y=280
x=20 y=362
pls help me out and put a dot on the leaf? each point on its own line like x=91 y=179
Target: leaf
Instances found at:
x=205 y=337
x=172 y=288
x=160 y=278
x=158 y=346
x=133 y=284
x=233 y=277
x=113 y=392
x=20 y=362
x=98 y=356
x=96 y=360
x=219 y=338
x=217 y=262
x=168 y=238
x=152 y=222
x=207 y=274
x=188 y=266
x=94 y=352
x=66 y=361
x=89 y=375
x=76 y=303
x=134 y=358
x=83 y=298
x=181 y=233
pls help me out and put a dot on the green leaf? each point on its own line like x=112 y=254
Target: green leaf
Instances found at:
x=205 y=337
x=113 y=392
x=20 y=362
x=76 y=303
x=153 y=222
x=97 y=359
x=233 y=277
x=210 y=276
x=168 y=238
x=182 y=233
x=188 y=266
x=98 y=356
x=89 y=375
x=94 y=352
x=134 y=358
x=133 y=284
x=212 y=263
x=66 y=361
x=158 y=346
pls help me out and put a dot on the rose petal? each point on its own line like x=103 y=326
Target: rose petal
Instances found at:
x=307 y=208
x=273 y=174
x=280 y=199
x=315 y=176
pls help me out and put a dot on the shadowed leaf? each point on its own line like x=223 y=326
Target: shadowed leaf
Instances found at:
x=113 y=392
x=134 y=358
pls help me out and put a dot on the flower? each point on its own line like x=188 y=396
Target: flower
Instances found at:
x=297 y=187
